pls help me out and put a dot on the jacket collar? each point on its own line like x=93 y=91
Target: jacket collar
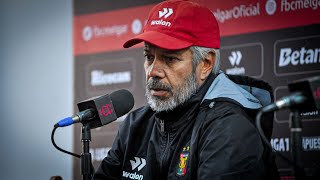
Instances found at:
x=222 y=86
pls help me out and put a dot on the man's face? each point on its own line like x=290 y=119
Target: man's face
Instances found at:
x=171 y=78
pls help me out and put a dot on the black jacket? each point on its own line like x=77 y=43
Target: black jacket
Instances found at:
x=205 y=138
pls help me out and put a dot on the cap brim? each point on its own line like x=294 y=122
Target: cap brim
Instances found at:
x=158 y=39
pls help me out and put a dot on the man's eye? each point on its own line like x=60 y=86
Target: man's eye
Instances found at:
x=170 y=59
x=148 y=57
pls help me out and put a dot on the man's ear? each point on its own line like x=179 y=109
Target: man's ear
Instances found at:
x=207 y=65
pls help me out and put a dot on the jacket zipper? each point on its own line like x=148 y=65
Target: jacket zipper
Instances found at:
x=161 y=125
x=166 y=145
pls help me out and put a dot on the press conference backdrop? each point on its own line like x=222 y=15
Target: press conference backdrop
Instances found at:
x=277 y=41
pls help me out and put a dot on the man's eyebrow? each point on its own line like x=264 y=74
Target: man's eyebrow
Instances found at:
x=147 y=49
x=171 y=52
x=174 y=52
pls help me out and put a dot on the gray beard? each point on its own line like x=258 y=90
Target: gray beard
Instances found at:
x=181 y=95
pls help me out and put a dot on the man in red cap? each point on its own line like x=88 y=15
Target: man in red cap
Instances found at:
x=196 y=125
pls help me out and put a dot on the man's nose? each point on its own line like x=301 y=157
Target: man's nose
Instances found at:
x=156 y=69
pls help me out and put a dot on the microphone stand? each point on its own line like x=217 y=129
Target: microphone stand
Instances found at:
x=86 y=155
x=296 y=144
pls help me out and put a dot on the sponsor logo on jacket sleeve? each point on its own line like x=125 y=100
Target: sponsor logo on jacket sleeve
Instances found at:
x=136 y=165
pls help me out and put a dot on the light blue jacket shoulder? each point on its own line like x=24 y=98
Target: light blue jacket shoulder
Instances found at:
x=222 y=86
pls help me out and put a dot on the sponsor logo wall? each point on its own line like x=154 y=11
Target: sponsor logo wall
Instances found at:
x=273 y=40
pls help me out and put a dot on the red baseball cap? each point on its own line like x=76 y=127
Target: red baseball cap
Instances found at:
x=179 y=24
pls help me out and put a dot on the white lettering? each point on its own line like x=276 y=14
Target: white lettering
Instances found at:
x=280 y=144
x=284 y=57
x=308 y=144
x=99 y=78
x=299 y=5
x=160 y=22
x=125 y=174
x=311 y=143
x=132 y=175
x=117 y=30
x=236 y=70
x=237 y=12
x=298 y=57
x=312 y=113
x=295 y=58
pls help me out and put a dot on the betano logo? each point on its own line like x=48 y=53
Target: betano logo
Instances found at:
x=235 y=60
x=165 y=13
x=298 y=57
x=137 y=163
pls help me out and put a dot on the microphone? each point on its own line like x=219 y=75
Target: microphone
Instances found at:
x=305 y=96
x=287 y=101
x=99 y=111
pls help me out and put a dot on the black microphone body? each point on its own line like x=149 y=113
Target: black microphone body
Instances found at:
x=305 y=96
x=287 y=101
x=310 y=88
x=107 y=108
x=99 y=111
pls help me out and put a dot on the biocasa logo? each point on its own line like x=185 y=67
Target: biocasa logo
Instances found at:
x=137 y=163
x=104 y=72
x=165 y=13
x=99 y=77
x=296 y=56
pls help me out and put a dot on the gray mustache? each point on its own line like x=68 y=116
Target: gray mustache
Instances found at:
x=156 y=84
